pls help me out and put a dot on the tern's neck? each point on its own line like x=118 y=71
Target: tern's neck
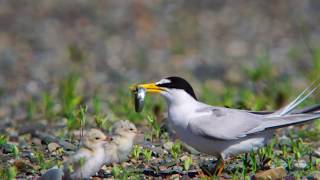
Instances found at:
x=178 y=98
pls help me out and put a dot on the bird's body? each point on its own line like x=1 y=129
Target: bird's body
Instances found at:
x=119 y=148
x=89 y=158
x=182 y=124
x=223 y=131
x=93 y=160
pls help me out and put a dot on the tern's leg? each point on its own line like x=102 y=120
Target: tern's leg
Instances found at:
x=219 y=167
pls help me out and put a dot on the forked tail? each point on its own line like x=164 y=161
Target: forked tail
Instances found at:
x=296 y=102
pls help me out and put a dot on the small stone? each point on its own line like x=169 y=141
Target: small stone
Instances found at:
x=276 y=173
x=315 y=176
x=184 y=157
x=162 y=168
x=23 y=166
x=301 y=164
x=284 y=140
x=30 y=155
x=36 y=141
x=53 y=146
x=168 y=145
x=177 y=168
x=7 y=148
x=157 y=151
x=52 y=173
x=67 y=146
x=317 y=152
x=190 y=149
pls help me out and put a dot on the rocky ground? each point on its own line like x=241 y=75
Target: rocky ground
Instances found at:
x=59 y=56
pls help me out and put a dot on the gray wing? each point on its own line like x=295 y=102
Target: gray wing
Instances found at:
x=224 y=124
x=229 y=124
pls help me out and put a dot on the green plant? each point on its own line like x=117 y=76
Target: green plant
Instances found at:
x=289 y=162
x=136 y=151
x=72 y=120
x=83 y=117
x=310 y=163
x=31 y=108
x=67 y=93
x=187 y=163
x=102 y=121
x=8 y=173
x=156 y=129
x=245 y=165
x=48 y=104
x=42 y=161
x=253 y=160
x=3 y=140
x=15 y=151
x=147 y=154
x=175 y=150
x=120 y=173
x=262 y=70
x=116 y=171
x=96 y=103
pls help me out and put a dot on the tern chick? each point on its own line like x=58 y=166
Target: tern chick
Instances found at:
x=89 y=158
x=124 y=133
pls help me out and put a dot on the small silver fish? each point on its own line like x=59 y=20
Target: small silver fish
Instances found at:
x=139 y=94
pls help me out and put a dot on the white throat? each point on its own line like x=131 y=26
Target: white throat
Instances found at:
x=181 y=106
x=177 y=97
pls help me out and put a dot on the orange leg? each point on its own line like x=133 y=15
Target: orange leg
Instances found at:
x=221 y=168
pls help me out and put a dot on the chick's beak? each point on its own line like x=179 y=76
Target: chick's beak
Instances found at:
x=108 y=138
x=150 y=87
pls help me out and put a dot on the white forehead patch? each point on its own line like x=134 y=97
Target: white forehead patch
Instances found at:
x=163 y=81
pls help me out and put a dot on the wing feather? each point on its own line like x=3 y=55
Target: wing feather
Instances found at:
x=230 y=124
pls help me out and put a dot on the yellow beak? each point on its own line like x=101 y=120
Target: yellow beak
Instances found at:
x=150 y=87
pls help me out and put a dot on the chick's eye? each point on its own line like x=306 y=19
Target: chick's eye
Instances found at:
x=131 y=129
x=97 y=138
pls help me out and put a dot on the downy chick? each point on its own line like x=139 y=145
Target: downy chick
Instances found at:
x=89 y=158
x=118 y=149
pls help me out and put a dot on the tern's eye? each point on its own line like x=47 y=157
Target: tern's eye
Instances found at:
x=131 y=129
x=97 y=138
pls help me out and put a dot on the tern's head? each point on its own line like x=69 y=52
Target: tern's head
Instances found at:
x=173 y=88
x=124 y=128
x=95 y=138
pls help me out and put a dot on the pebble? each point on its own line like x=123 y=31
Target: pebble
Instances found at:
x=162 y=168
x=67 y=146
x=7 y=148
x=317 y=152
x=301 y=164
x=53 y=146
x=276 y=173
x=30 y=155
x=177 y=168
x=23 y=166
x=168 y=145
x=36 y=141
x=284 y=140
x=183 y=158
x=315 y=176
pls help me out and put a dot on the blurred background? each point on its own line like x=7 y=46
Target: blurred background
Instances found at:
x=111 y=44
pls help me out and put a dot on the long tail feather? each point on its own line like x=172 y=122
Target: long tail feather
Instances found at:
x=302 y=96
x=288 y=120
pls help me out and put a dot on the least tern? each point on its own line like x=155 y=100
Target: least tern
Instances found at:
x=223 y=131
x=89 y=158
x=118 y=149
